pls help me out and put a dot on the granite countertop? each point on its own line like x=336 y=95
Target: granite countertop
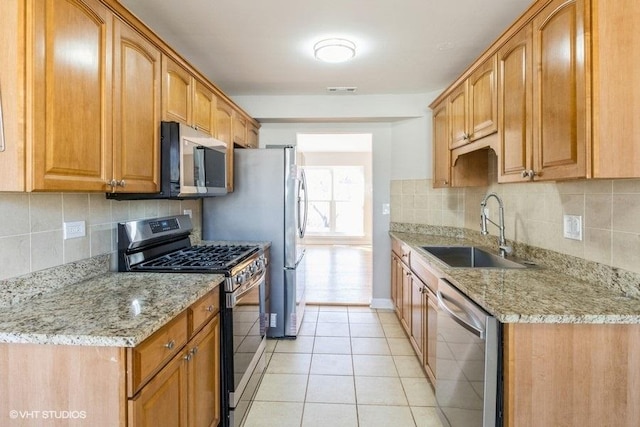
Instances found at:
x=533 y=295
x=111 y=309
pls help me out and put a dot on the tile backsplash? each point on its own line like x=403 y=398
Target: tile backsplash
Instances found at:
x=610 y=211
x=31 y=237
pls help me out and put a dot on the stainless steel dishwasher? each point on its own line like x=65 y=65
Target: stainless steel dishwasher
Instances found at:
x=468 y=361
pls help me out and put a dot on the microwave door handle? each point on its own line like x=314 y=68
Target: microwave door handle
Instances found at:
x=198 y=161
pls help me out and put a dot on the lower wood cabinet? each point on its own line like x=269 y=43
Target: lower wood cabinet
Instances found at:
x=585 y=375
x=413 y=287
x=171 y=379
x=186 y=392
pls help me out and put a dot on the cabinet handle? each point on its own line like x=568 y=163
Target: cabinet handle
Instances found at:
x=170 y=344
x=2 y=143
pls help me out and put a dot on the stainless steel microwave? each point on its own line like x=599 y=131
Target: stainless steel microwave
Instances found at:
x=192 y=165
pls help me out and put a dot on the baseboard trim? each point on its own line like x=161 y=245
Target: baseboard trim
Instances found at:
x=382 y=303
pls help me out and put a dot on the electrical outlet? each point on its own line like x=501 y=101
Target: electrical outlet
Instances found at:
x=75 y=229
x=188 y=212
x=273 y=322
x=573 y=227
x=386 y=209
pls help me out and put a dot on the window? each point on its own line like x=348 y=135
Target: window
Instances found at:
x=336 y=200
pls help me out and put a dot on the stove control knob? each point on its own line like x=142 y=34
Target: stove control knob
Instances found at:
x=240 y=278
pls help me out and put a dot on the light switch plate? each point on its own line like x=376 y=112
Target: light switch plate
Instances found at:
x=573 y=227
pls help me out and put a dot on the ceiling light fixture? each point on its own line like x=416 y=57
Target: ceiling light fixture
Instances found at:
x=334 y=50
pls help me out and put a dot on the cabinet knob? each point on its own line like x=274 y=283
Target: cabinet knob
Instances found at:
x=194 y=351
x=112 y=183
x=525 y=174
x=211 y=308
x=170 y=344
x=121 y=183
x=188 y=356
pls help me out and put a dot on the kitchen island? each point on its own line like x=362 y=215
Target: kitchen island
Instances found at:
x=570 y=345
x=111 y=350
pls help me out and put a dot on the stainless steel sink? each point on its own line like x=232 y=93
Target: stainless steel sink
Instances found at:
x=472 y=257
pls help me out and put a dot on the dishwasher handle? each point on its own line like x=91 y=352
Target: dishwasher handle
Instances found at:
x=477 y=331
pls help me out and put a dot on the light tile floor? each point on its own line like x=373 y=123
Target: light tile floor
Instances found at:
x=351 y=366
x=338 y=274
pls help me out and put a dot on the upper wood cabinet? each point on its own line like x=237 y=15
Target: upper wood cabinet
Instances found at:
x=83 y=86
x=90 y=116
x=473 y=108
x=441 y=153
x=253 y=136
x=515 y=107
x=136 y=64
x=72 y=96
x=185 y=99
x=239 y=129
x=560 y=91
x=568 y=89
x=457 y=112
x=483 y=100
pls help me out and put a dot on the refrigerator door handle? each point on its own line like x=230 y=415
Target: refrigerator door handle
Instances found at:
x=303 y=202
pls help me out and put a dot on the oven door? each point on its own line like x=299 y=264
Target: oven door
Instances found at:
x=245 y=344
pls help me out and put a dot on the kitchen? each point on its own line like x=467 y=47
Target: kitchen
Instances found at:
x=402 y=162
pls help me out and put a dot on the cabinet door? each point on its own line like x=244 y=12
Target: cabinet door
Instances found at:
x=441 y=153
x=483 y=100
x=515 y=107
x=406 y=298
x=394 y=282
x=12 y=145
x=239 y=129
x=559 y=91
x=136 y=137
x=417 y=315
x=204 y=376
x=163 y=401
x=177 y=89
x=431 y=335
x=457 y=111
x=72 y=103
x=224 y=125
x=252 y=136
x=204 y=109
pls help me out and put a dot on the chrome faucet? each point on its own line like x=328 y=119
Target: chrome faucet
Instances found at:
x=502 y=242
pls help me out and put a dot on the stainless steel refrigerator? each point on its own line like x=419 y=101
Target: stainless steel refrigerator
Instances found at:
x=268 y=203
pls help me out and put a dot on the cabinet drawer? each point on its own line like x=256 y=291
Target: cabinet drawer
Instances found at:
x=154 y=352
x=424 y=272
x=401 y=250
x=204 y=309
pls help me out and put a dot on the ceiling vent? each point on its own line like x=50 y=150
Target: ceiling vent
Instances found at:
x=342 y=89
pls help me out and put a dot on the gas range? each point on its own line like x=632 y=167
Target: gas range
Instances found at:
x=163 y=245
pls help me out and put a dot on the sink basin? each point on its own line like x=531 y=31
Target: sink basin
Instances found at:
x=470 y=257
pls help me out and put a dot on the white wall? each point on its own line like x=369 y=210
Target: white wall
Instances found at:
x=400 y=128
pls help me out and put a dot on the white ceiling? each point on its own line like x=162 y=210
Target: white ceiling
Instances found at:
x=264 y=47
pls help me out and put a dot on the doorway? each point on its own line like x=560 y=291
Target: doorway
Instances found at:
x=338 y=259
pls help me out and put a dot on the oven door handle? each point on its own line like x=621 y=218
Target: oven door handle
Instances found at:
x=479 y=332
x=233 y=297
